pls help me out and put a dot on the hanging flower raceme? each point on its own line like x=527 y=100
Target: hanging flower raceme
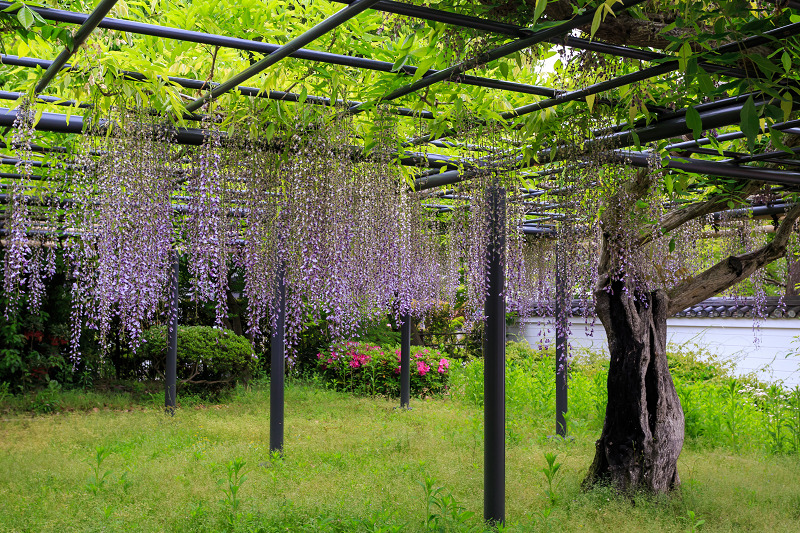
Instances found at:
x=207 y=232
x=16 y=267
x=122 y=262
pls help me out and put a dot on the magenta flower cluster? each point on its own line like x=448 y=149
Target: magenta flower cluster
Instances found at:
x=358 y=366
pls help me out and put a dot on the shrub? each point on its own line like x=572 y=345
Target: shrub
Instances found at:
x=207 y=356
x=369 y=369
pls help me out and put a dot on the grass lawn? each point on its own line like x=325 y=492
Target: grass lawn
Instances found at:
x=351 y=464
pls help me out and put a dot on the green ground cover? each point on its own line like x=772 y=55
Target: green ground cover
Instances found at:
x=356 y=463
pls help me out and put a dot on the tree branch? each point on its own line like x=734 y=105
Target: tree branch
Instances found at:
x=732 y=270
x=681 y=216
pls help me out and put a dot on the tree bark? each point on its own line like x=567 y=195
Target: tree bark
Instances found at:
x=643 y=431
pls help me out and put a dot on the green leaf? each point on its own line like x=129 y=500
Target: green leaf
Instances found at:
x=504 y=65
x=749 y=122
x=590 y=100
x=694 y=122
x=786 y=105
x=424 y=66
x=672 y=245
x=38 y=17
x=25 y=17
x=400 y=63
x=13 y=7
x=540 y=6
x=636 y=142
x=786 y=59
x=683 y=56
x=270 y=131
x=596 y=21
x=777 y=140
x=22 y=48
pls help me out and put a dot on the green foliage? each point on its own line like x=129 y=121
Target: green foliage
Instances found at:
x=550 y=472
x=444 y=328
x=232 y=502
x=380 y=332
x=442 y=511
x=720 y=410
x=97 y=480
x=34 y=347
x=206 y=356
x=354 y=466
x=369 y=369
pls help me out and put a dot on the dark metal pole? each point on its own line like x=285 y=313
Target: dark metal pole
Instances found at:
x=278 y=366
x=405 y=362
x=170 y=386
x=494 y=356
x=562 y=310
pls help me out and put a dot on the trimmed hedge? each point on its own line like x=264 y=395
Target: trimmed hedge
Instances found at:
x=206 y=355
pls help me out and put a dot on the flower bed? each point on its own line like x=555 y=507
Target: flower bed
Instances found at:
x=369 y=369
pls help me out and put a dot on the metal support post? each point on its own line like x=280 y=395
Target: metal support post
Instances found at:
x=494 y=355
x=405 y=362
x=562 y=339
x=171 y=377
x=278 y=365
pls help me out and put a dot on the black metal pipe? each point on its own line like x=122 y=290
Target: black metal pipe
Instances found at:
x=783 y=126
x=762 y=156
x=171 y=373
x=562 y=308
x=716 y=117
x=405 y=362
x=189 y=83
x=13 y=176
x=494 y=357
x=54 y=100
x=453 y=72
x=278 y=365
x=777 y=33
x=57 y=122
x=711 y=168
x=755 y=211
x=78 y=39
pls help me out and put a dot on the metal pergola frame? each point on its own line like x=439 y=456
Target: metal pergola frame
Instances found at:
x=667 y=125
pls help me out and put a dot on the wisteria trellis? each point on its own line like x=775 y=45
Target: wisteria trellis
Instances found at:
x=354 y=240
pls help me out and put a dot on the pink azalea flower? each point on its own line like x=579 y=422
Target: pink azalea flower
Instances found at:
x=422 y=368
x=444 y=364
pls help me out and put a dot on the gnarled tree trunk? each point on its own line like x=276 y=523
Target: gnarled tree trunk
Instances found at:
x=643 y=431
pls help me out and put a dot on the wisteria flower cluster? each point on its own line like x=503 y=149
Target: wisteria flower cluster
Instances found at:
x=310 y=214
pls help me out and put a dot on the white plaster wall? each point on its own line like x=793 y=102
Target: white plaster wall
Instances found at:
x=761 y=348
